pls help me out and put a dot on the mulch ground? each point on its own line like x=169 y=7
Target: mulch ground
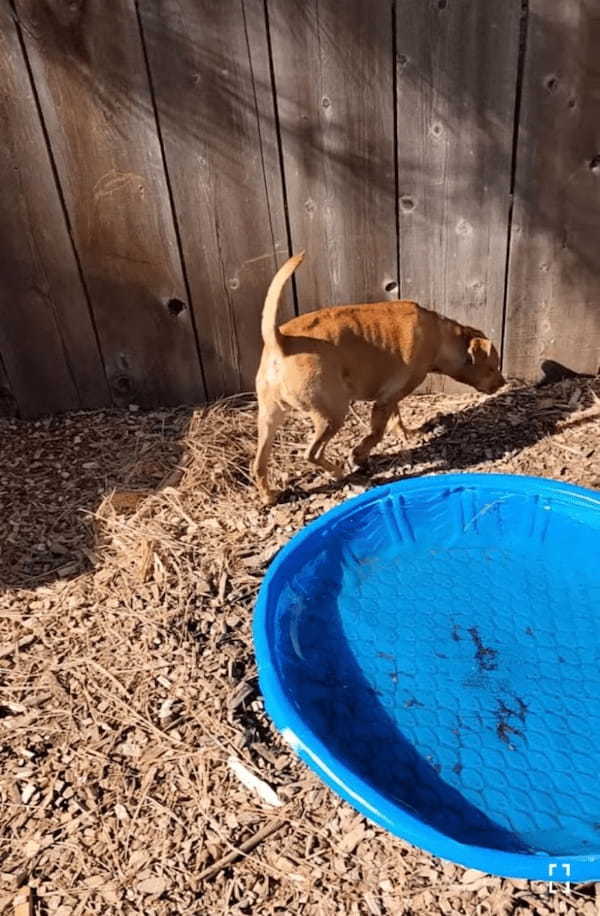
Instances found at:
x=132 y=553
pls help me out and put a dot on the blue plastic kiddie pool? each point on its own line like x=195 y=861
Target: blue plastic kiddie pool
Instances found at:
x=432 y=650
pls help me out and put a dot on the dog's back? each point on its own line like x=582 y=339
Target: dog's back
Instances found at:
x=371 y=343
x=366 y=320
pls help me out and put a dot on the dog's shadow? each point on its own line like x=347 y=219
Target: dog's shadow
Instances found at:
x=486 y=432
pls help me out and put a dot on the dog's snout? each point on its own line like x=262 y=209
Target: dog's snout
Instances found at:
x=495 y=384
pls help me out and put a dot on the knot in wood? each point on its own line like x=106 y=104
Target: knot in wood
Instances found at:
x=175 y=307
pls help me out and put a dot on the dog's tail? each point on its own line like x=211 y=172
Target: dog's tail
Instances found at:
x=271 y=334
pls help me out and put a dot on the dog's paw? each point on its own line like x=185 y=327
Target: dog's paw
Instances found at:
x=269 y=497
x=360 y=456
x=338 y=471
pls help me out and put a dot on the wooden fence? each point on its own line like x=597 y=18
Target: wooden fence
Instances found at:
x=159 y=158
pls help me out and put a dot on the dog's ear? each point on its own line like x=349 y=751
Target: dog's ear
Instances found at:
x=482 y=344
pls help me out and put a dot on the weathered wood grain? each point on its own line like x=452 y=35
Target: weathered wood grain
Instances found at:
x=89 y=69
x=456 y=66
x=216 y=115
x=286 y=125
x=49 y=349
x=259 y=48
x=554 y=275
x=333 y=69
x=8 y=403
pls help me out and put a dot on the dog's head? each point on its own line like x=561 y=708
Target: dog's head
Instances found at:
x=480 y=364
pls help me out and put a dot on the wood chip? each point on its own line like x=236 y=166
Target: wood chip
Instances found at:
x=471 y=875
x=252 y=782
x=10 y=648
x=152 y=886
x=23 y=902
x=121 y=813
x=27 y=792
x=128 y=500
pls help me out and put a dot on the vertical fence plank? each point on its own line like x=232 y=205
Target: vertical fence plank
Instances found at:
x=554 y=276
x=8 y=404
x=209 y=65
x=456 y=84
x=47 y=340
x=334 y=80
x=256 y=20
x=89 y=69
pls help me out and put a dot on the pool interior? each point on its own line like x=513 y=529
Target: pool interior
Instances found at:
x=446 y=649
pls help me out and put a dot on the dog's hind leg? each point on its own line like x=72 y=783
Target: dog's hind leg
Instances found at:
x=380 y=416
x=396 y=423
x=269 y=420
x=326 y=426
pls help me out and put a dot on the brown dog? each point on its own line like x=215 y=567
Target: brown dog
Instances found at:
x=319 y=362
